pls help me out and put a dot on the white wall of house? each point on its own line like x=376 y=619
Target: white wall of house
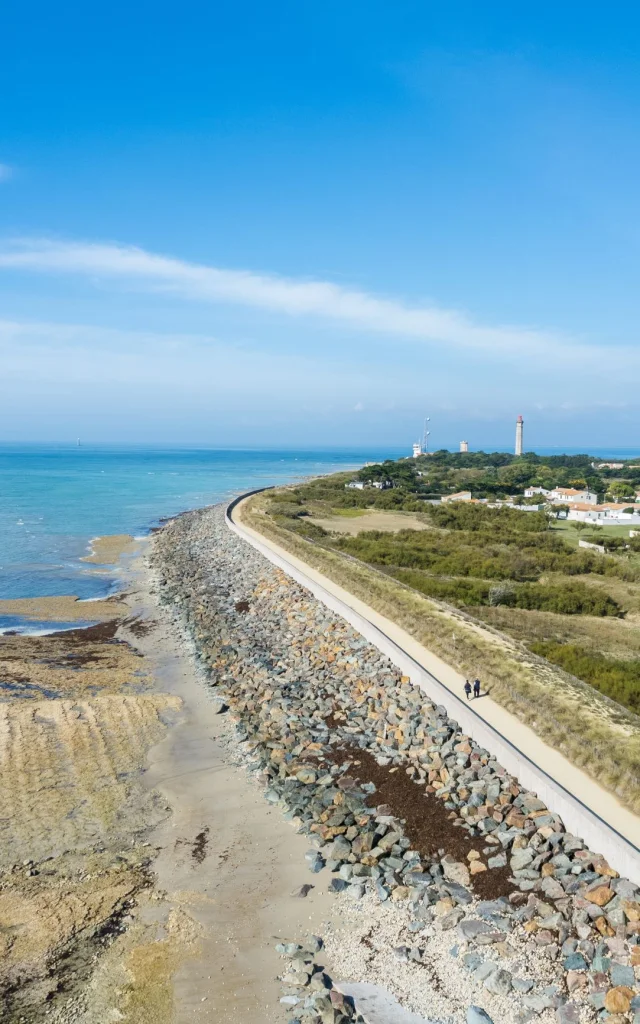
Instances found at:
x=582 y=497
x=604 y=516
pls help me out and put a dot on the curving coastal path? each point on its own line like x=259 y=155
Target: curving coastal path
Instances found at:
x=587 y=809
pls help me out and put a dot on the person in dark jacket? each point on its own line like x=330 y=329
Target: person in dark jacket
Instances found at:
x=467 y=688
x=476 y=688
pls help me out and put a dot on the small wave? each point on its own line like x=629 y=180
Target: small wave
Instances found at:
x=26 y=628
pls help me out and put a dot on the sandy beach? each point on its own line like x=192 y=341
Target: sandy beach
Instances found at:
x=192 y=793
x=142 y=877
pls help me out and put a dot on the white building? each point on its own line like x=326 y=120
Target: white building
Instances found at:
x=612 y=513
x=464 y=446
x=569 y=496
x=520 y=508
x=531 y=491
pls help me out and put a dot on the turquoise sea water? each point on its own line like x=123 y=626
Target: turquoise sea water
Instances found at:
x=54 y=499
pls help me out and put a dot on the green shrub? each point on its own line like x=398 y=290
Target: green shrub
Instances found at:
x=503 y=593
x=515 y=557
x=567 y=599
x=288 y=509
x=461 y=515
x=619 y=680
x=457 y=591
x=302 y=527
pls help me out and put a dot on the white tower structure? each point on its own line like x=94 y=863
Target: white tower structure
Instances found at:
x=422 y=447
x=519 y=435
x=464 y=446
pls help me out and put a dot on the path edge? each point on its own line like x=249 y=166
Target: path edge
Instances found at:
x=580 y=820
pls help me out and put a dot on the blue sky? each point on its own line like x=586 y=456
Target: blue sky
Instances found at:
x=315 y=223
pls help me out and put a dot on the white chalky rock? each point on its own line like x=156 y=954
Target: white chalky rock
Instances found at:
x=377 y=1006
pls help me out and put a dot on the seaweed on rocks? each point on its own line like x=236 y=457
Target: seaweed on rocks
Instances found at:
x=396 y=799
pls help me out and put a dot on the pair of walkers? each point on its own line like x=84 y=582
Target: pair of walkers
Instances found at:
x=475 y=689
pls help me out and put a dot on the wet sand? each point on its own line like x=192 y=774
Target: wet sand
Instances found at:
x=143 y=877
x=110 y=549
x=77 y=716
x=64 y=609
x=228 y=861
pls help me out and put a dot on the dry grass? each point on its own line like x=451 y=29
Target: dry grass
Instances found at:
x=386 y=522
x=592 y=731
x=617 y=638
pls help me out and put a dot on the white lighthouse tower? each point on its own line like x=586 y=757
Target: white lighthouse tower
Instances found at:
x=519 y=435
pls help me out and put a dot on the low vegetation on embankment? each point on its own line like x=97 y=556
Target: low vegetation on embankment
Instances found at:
x=529 y=573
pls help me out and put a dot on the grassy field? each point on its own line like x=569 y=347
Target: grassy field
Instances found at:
x=495 y=641
x=569 y=533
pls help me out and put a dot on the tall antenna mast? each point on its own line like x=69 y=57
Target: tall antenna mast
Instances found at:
x=425 y=436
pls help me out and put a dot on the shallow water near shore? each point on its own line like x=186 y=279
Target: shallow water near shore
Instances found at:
x=65 y=510
x=56 y=499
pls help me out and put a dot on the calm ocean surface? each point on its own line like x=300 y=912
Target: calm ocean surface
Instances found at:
x=55 y=498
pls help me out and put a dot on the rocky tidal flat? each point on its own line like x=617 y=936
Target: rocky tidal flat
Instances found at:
x=458 y=886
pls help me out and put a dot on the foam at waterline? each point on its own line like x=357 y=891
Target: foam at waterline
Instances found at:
x=28 y=627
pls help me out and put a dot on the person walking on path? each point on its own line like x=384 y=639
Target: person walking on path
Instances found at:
x=467 y=688
x=476 y=688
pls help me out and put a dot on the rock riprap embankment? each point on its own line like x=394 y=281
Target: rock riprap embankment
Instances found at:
x=399 y=804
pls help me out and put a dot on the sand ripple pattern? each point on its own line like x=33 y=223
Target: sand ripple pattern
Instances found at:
x=68 y=770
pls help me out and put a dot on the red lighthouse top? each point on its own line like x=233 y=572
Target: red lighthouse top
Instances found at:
x=519 y=419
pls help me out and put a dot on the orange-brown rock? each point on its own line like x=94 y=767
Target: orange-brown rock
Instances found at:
x=477 y=867
x=618 y=1000
x=604 y=927
x=600 y=896
x=515 y=820
x=464 y=747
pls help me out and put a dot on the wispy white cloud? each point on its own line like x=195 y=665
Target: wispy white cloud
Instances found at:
x=319 y=299
x=6 y=172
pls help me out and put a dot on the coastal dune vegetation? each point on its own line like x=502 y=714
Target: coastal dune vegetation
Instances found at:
x=494 y=592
